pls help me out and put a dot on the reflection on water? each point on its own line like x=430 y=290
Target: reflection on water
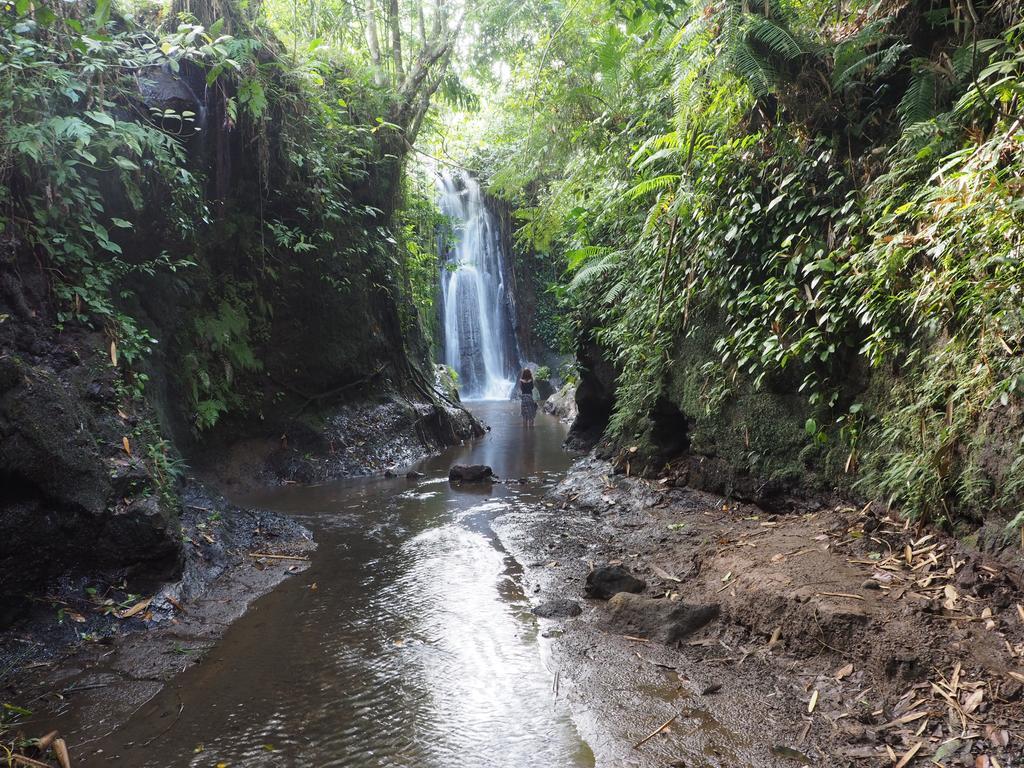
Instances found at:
x=415 y=648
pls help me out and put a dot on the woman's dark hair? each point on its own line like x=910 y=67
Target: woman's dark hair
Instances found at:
x=526 y=375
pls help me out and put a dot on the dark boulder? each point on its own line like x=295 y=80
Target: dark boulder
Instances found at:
x=662 y=620
x=412 y=474
x=142 y=538
x=162 y=90
x=607 y=580
x=470 y=473
x=558 y=608
x=544 y=389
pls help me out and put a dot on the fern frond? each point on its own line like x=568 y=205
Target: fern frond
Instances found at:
x=667 y=141
x=918 y=102
x=647 y=186
x=753 y=71
x=594 y=270
x=778 y=40
x=576 y=258
x=876 y=63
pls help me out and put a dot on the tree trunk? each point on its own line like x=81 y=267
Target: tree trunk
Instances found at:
x=373 y=42
x=396 y=42
x=421 y=22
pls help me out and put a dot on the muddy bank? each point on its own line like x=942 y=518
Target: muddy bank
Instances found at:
x=90 y=653
x=842 y=638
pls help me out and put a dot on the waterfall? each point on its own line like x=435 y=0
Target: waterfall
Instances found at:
x=476 y=309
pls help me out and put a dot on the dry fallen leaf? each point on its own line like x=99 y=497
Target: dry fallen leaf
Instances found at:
x=113 y=353
x=974 y=700
x=134 y=610
x=663 y=574
x=844 y=671
x=999 y=737
x=909 y=755
x=43 y=743
x=812 y=703
x=60 y=749
x=951 y=597
x=127 y=445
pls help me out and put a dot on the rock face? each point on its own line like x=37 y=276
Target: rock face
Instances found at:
x=595 y=397
x=661 y=620
x=562 y=404
x=558 y=608
x=163 y=90
x=607 y=580
x=471 y=473
x=544 y=389
x=67 y=500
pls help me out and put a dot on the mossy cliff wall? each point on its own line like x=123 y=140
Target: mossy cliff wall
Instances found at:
x=240 y=290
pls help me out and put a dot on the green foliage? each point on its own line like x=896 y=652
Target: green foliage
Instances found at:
x=220 y=349
x=422 y=228
x=836 y=205
x=78 y=172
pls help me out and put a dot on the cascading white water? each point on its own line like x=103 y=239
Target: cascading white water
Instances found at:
x=478 y=341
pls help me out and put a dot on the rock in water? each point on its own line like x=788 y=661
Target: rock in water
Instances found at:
x=661 y=620
x=559 y=608
x=607 y=580
x=412 y=474
x=470 y=473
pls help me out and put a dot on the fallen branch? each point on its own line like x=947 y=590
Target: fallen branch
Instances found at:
x=279 y=557
x=654 y=733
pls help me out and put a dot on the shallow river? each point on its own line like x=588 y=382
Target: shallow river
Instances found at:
x=408 y=642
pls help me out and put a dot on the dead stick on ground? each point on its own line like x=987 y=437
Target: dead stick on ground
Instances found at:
x=660 y=728
x=278 y=557
x=22 y=760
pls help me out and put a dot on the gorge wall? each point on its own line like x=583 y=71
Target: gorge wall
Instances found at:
x=222 y=302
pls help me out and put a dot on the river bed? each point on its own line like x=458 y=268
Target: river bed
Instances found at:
x=407 y=642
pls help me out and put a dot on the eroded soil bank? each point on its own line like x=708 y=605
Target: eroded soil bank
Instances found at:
x=844 y=637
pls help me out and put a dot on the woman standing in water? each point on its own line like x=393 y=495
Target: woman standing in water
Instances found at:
x=528 y=406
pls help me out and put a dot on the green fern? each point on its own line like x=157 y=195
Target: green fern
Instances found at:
x=578 y=257
x=594 y=270
x=920 y=99
x=656 y=184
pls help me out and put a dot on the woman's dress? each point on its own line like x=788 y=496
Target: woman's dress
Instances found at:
x=527 y=405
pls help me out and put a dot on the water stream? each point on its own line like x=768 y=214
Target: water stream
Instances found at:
x=416 y=648
x=478 y=339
